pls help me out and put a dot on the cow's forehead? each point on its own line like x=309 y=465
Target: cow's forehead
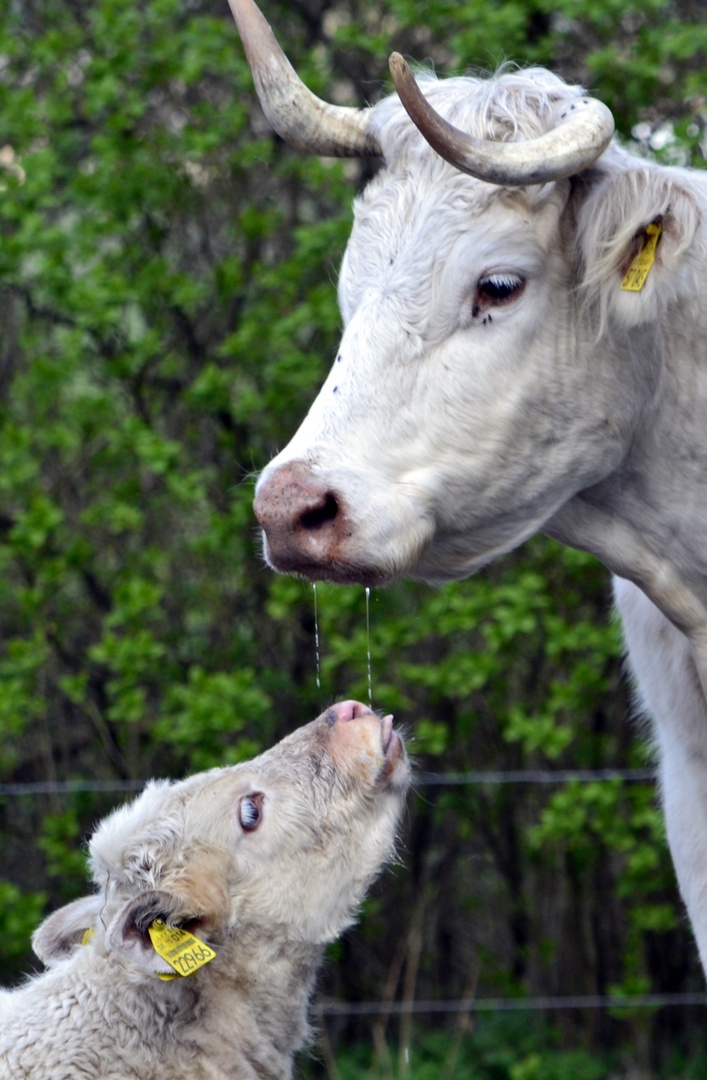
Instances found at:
x=418 y=204
x=513 y=105
x=401 y=209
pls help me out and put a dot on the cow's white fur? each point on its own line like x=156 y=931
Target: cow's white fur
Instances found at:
x=579 y=409
x=266 y=900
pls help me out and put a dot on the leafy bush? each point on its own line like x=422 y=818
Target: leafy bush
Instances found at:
x=168 y=310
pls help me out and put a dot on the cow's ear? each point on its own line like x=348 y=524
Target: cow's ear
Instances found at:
x=57 y=936
x=129 y=933
x=622 y=214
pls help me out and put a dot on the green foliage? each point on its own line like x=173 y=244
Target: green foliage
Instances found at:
x=19 y=915
x=505 y=1048
x=64 y=858
x=167 y=295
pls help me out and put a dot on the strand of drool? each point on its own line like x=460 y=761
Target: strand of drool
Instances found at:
x=316 y=635
x=368 y=646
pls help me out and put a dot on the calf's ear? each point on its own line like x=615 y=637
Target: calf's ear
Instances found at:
x=55 y=938
x=617 y=217
x=128 y=934
x=158 y=924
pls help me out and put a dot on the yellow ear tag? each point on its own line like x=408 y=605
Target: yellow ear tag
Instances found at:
x=182 y=951
x=638 y=270
x=88 y=936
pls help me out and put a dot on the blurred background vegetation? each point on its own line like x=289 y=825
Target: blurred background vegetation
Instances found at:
x=167 y=303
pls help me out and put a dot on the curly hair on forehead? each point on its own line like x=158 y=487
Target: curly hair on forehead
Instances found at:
x=514 y=104
x=119 y=846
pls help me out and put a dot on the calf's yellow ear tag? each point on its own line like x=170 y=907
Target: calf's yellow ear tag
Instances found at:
x=638 y=270
x=182 y=951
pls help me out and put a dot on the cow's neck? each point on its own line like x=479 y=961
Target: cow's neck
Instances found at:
x=253 y=1014
x=647 y=520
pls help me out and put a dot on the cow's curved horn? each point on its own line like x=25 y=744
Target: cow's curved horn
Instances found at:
x=297 y=115
x=582 y=135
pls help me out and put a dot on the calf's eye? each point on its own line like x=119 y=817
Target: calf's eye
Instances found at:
x=250 y=811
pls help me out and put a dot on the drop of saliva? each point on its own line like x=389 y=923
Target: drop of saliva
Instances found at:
x=316 y=635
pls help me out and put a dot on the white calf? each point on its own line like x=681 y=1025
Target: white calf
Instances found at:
x=214 y=899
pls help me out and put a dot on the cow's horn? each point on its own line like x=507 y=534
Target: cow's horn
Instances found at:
x=297 y=115
x=578 y=140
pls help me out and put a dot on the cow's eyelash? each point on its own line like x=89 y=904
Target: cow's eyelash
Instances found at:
x=498 y=288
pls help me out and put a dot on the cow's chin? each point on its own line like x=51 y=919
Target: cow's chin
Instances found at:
x=333 y=573
x=433 y=570
x=347 y=565
x=437 y=562
x=430 y=572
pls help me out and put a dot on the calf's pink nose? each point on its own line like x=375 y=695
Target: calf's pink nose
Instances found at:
x=349 y=710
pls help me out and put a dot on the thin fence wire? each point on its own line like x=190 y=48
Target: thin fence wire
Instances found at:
x=537 y=1004
x=533 y=776
x=69 y=787
x=462 y=1005
x=421 y=779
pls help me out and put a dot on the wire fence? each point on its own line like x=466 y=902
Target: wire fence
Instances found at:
x=420 y=779
x=533 y=776
x=533 y=1004
x=330 y=1008
x=70 y=787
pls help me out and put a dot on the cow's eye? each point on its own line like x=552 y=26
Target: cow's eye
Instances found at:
x=498 y=288
x=250 y=811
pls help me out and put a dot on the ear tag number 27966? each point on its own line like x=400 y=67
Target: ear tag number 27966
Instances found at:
x=182 y=951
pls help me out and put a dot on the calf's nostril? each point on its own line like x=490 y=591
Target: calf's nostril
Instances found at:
x=348 y=710
x=359 y=710
x=319 y=515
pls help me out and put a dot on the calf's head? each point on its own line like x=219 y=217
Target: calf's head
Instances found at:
x=279 y=849
x=490 y=366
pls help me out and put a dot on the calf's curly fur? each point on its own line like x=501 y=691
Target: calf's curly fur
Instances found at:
x=265 y=861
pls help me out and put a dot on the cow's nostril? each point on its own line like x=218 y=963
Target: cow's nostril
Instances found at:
x=304 y=519
x=320 y=515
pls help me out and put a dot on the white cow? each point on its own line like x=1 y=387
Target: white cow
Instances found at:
x=525 y=349
x=265 y=862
